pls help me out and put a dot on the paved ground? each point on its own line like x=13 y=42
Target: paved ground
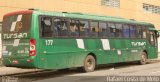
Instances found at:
x=132 y=73
x=99 y=75
x=13 y=70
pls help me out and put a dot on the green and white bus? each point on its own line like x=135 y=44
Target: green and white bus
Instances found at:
x=59 y=40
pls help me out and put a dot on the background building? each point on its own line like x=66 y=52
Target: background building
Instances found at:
x=141 y=10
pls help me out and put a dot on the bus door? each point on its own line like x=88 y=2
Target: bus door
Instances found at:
x=153 y=44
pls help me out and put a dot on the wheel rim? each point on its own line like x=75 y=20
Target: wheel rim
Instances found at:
x=143 y=58
x=90 y=64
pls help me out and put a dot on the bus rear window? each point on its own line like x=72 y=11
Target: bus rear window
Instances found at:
x=17 y=23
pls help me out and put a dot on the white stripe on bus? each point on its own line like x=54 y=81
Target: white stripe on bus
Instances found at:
x=10 y=53
x=80 y=43
x=13 y=26
x=19 y=18
x=16 y=42
x=105 y=44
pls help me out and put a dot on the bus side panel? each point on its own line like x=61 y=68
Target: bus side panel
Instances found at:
x=152 y=51
x=58 y=54
x=35 y=36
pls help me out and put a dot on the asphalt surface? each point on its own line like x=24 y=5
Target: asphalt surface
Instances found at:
x=126 y=72
x=131 y=71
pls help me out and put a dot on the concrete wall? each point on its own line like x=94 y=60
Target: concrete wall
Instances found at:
x=131 y=9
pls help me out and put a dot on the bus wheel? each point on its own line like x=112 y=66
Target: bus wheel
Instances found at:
x=89 y=64
x=143 y=59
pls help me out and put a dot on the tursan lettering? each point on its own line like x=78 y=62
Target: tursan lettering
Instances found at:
x=138 y=43
x=15 y=35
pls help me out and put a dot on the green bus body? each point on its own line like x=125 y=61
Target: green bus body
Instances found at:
x=67 y=52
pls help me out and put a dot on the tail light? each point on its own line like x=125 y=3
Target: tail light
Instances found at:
x=32 y=51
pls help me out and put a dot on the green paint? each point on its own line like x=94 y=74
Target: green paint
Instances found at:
x=54 y=53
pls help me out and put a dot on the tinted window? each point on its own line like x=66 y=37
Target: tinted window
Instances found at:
x=60 y=27
x=139 y=32
x=145 y=32
x=125 y=31
x=94 y=29
x=112 y=29
x=46 y=27
x=17 y=23
x=84 y=29
x=133 y=31
x=119 y=30
x=103 y=31
x=73 y=28
x=152 y=38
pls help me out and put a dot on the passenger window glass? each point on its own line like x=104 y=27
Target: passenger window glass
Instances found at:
x=47 y=22
x=23 y=24
x=133 y=31
x=145 y=32
x=60 y=28
x=73 y=28
x=112 y=29
x=94 y=29
x=103 y=30
x=125 y=31
x=152 y=37
x=119 y=30
x=139 y=32
x=84 y=29
x=46 y=27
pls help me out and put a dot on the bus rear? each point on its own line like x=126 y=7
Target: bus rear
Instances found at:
x=17 y=45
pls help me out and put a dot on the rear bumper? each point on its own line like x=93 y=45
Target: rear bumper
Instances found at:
x=25 y=62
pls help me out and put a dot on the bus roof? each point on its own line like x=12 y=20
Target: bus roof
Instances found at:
x=84 y=16
x=17 y=12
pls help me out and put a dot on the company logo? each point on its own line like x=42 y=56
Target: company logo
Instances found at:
x=138 y=43
x=15 y=35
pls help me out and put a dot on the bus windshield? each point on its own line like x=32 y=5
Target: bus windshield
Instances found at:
x=17 y=23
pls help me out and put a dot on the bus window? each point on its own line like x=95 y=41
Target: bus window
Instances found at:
x=103 y=30
x=73 y=28
x=94 y=29
x=112 y=29
x=132 y=31
x=17 y=23
x=60 y=27
x=152 y=38
x=46 y=27
x=139 y=32
x=118 y=30
x=84 y=29
x=145 y=32
x=125 y=31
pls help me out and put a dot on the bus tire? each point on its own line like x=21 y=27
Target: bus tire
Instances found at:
x=143 y=60
x=89 y=64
